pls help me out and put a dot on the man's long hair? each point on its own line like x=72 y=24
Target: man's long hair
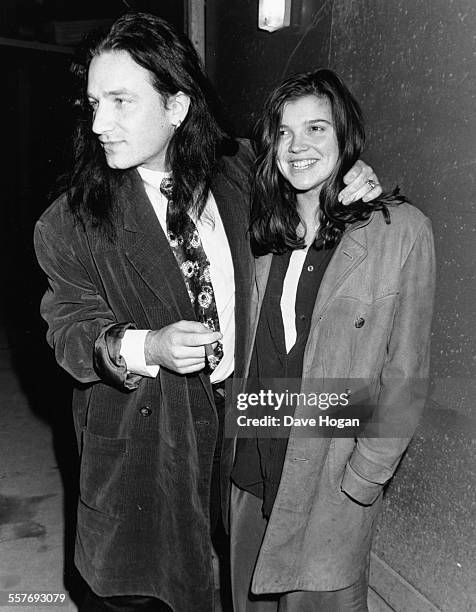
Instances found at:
x=275 y=218
x=174 y=66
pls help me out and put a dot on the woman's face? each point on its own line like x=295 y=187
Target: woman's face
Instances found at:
x=307 y=148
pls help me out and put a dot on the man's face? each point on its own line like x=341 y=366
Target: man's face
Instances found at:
x=129 y=117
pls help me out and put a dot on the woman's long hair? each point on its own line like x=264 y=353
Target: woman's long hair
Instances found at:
x=274 y=214
x=193 y=150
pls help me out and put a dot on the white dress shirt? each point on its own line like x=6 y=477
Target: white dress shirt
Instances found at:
x=215 y=243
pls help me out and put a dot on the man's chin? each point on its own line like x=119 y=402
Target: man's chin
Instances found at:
x=117 y=164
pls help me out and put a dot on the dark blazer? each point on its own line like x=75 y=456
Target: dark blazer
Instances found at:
x=146 y=445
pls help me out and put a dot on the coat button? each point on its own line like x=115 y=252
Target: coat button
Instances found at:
x=359 y=322
x=145 y=411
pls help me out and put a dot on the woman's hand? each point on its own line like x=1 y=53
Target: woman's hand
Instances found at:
x=362 y=183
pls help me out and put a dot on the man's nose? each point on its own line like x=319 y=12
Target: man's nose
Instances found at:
x=103 y=119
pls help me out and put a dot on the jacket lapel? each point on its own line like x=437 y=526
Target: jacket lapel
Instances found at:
x=230 y=204
x=262 y=267
x=349 y=254
x=147 y=249
x=233 y=206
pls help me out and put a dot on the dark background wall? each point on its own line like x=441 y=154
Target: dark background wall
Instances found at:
x=410 y=64
x=36 y=138
x=245 y=63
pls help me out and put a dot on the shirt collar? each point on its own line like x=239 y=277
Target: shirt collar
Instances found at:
x=153 y=177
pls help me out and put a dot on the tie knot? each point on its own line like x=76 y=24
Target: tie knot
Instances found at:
x=166 y=187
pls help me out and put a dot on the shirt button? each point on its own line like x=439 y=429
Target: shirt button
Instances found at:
x=303 y=317
x=359 y=322
x=310 y=268
x=145 y=411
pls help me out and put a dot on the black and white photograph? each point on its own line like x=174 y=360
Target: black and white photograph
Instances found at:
x=237 y=337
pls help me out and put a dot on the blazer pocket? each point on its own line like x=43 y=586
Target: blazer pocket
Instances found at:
x=103 y=473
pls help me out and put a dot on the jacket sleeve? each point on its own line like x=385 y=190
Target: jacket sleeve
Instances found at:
x=82 y=328
x=403 y=380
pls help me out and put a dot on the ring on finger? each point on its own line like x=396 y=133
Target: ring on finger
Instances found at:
x=371 y=183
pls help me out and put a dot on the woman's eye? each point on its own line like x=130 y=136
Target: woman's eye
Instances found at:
x=282 y=132
x=317 y=128
x=93 y=104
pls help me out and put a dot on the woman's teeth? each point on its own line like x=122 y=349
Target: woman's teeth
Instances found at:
x=303 y=163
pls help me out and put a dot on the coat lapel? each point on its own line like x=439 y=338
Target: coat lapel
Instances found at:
x=233 y=206
x=229 y=199
x=147 y=249
x=349 y=254
x=262 y=267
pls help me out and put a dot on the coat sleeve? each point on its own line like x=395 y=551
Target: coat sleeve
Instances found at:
x=404 y=377
x=82 y=329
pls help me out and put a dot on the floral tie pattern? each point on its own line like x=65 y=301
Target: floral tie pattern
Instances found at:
x=195 y=267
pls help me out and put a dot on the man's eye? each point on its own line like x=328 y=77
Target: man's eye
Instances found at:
x=121 y=101
x=93 y=104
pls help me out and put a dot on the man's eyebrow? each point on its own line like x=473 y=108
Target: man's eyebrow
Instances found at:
x=118 y=92
x=114 y=92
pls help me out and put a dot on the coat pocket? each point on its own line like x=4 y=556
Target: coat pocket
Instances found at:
x=340 y=450
x=103 y=473
x=354 y=335
x=97 y=540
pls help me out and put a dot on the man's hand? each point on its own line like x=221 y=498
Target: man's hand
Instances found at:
x=360 y=181
x=180 y=346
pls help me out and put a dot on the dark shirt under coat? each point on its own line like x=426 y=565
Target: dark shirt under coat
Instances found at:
x=259 y=462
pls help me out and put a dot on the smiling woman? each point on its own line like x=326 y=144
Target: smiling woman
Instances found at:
x=308 y=150
x=341 y=294
x=309 y=135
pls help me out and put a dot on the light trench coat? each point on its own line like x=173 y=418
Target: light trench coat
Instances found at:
x=371 y=321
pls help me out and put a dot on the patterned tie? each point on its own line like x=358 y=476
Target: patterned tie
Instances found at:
x=195 y=267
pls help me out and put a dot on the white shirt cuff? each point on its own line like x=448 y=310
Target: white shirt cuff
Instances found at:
x=132 y=350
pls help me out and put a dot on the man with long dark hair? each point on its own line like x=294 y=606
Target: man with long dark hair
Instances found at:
x=143 y=252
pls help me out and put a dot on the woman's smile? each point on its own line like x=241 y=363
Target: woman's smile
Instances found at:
x=303 y=164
